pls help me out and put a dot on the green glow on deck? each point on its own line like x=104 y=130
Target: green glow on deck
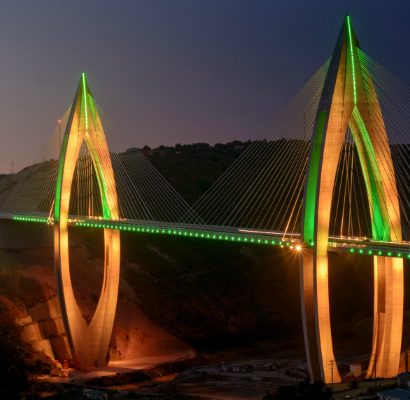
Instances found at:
x=23 y=218
x=209 y=235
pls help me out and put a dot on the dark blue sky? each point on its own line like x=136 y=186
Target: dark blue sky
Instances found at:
x=169 y=71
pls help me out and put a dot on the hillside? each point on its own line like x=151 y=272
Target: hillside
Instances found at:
x=176 y=295
x=192 y=168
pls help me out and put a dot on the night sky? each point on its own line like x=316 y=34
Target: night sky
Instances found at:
x=175 y=71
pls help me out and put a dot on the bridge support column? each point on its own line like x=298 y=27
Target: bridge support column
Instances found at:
x=349 y=102
x=387 y=317
x=316 y=317
x=89 y=342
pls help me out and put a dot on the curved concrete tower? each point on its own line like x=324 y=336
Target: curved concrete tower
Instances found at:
x=89 y=342
x=349 y=100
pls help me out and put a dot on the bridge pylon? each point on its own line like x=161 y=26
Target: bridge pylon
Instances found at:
x=89 y=343
x=349 y=101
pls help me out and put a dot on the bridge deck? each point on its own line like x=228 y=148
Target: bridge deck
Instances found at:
x=292 y=241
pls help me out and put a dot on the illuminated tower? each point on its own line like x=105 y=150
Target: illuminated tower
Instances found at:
x=349 y=100
x=89 y=342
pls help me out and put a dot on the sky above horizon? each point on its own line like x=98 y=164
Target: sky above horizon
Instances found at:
x=180 y=71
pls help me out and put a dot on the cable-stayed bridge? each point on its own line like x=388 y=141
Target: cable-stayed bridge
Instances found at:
x=337 y=180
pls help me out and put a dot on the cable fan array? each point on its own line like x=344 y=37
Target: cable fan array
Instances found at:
x=394 y=98
x=351 y=214
x=262 y=190
x=32 y=190
x=143 y=194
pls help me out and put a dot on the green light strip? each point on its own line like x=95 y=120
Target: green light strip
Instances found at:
x=313 y=179
x=366 y=252
x=63 y=151
x=144 y=229
x=102 y=183
x=23 y=218
x=61 y=160
x=222 y=236
x=93 y=111
x=368 y=160
x=85 y=101
x=184 y=232
x=349 y=28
